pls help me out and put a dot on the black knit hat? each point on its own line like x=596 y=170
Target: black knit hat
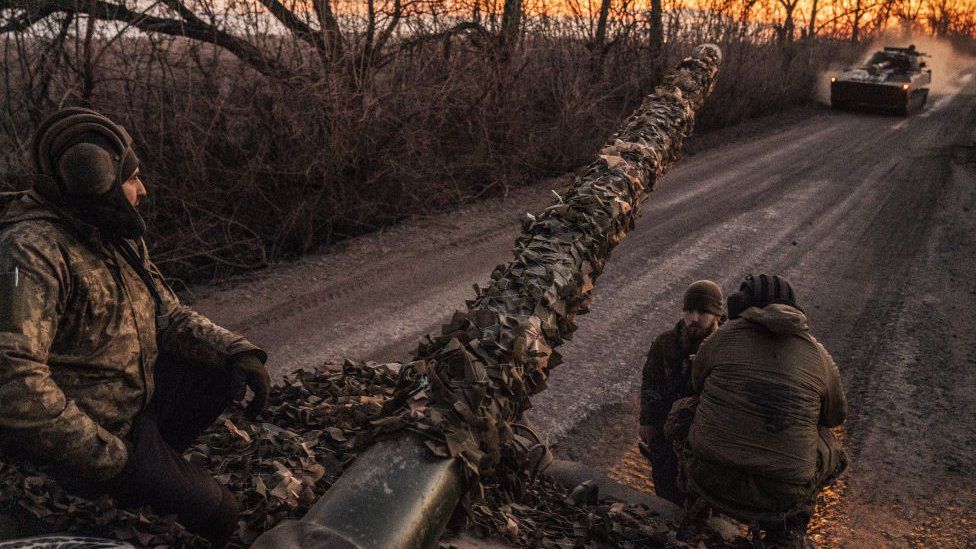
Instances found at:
x=761 y=290
x=704 y=296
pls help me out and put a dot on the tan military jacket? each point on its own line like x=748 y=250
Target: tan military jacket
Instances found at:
x=766 y=387
x=78 y=341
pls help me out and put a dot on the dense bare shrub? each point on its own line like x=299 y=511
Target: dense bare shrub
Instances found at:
x=259 y=154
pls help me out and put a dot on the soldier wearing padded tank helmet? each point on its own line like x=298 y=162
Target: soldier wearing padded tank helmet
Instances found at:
x=105 y=377
x=760 y=446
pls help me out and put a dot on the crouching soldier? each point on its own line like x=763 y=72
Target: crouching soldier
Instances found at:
x=105 y=378
x=760 y=447
x=667 y=378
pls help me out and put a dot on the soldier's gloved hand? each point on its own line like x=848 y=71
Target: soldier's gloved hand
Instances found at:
x=248 y=371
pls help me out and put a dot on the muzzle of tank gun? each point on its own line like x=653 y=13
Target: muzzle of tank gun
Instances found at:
x=398 y=495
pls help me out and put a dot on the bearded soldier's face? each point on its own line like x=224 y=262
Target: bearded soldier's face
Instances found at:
x=700 y=324
x=134 y=189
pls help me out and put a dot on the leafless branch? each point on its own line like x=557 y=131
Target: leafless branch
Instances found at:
x=189 y=27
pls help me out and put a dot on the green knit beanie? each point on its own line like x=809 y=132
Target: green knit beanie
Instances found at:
x=705 y=296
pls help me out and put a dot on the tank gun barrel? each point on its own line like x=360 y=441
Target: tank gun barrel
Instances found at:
x=875 y=68
x=490 y=358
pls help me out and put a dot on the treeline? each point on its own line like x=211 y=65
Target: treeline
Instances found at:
x=271 y=127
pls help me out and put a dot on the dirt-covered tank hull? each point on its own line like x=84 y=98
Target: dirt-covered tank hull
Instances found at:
x=894 y=98
x=893 y=80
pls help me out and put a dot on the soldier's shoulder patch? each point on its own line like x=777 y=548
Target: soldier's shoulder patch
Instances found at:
x=12 y=298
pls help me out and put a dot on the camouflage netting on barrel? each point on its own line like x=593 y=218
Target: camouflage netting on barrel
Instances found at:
x=463 y=390
x=315 y=426
x=491 y=358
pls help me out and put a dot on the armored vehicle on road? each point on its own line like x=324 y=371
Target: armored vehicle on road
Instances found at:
x=893 y=80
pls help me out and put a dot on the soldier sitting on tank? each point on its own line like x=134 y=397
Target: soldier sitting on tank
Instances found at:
x=760 y=446
x=667 y=378
x=105 y=377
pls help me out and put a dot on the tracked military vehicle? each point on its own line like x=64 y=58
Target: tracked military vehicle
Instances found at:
x=893 y=80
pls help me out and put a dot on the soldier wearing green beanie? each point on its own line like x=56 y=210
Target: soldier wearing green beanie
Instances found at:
x=105 y=377
x=667 y=377
x=757 y=442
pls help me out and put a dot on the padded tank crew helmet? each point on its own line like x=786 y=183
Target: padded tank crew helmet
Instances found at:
x=88 y=158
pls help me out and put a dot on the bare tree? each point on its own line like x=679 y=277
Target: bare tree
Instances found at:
x=656 y=27
x=944 y=16
x=364 y=42
x=511 y=25
x=178 y=21
x=788 y=29
x=600 y=37
x=812 y=27
x=857 y=13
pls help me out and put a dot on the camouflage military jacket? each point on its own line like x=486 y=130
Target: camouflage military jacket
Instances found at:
x=79 y=341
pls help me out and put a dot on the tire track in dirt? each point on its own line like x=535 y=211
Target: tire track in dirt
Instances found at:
x=385 y=291
x=371 y=294
x=912 y=481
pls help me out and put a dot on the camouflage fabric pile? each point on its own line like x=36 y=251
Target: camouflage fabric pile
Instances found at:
x=546 y=515
x=31 y=504
x=316 y=424
x=549 y=515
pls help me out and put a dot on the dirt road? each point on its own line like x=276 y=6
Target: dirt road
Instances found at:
x=873 y=219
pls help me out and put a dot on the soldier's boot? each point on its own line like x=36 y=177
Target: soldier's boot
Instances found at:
x=223 y=521
x=696 y=515
x=791 y=534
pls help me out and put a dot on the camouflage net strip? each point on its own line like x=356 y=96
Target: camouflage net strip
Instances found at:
x=491 y=358
x=548 y=515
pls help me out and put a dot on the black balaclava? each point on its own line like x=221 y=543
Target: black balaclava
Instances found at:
x=88 y=157
x=759 y=291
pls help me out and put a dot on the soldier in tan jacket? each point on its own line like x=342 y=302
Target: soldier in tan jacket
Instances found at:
x=760 y=446
x=105 y=377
